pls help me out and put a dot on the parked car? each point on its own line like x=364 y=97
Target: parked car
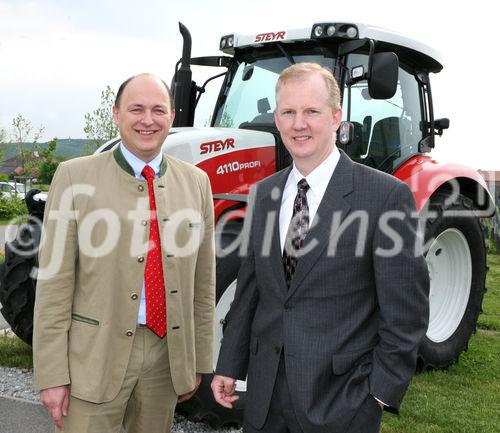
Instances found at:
x=9 y=189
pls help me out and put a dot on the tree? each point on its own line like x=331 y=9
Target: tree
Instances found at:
x=99 y=125
x=45 y=166
x=21 y=131
x=3 y=138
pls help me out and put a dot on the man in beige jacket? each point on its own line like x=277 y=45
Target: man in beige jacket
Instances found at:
x=125 y=294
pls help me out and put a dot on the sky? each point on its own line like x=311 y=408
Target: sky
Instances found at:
x=57 y=56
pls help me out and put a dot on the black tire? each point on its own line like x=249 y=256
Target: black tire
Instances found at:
x=202 y=407
x=17 y=274
x=457 y=224
x=17 y=287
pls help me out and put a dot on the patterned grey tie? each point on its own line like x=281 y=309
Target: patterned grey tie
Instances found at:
x=297 y=230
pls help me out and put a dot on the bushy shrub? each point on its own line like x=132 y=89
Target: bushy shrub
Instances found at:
x=11 y=207
x=48 y=169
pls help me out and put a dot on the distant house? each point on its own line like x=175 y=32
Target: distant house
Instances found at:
x=10 y=165
x=15 y=165
x=492 y=179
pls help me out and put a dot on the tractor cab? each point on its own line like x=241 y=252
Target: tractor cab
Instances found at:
x=383 y=76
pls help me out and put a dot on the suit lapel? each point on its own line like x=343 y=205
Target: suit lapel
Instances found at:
x=334 y=201
x=271 y=205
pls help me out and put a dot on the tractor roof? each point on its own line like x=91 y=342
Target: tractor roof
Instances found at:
x=410 y=49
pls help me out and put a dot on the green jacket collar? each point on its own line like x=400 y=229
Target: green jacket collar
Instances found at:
x=125 y=166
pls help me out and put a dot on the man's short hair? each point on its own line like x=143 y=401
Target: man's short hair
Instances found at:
x=128 y=80
x=303 y=70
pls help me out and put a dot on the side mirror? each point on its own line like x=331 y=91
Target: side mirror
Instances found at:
x=440 y=125
x=383 y=75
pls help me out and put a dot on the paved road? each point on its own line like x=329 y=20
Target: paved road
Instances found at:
x=22 y=416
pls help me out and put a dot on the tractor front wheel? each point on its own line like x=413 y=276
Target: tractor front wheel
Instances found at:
x=202 y=406
x=456 y=259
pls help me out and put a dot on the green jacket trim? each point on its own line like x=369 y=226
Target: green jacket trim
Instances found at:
x=88 y=320
x=125 y=166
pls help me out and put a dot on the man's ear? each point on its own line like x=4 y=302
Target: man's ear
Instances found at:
x=337 y=118
x=115 y=115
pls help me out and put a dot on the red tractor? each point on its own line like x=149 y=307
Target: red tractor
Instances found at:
x=388 y=124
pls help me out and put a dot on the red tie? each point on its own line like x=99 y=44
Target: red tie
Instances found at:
x=156 y=309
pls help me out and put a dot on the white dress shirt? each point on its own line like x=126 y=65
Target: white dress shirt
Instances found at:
x=138 y=165
x=317 y=180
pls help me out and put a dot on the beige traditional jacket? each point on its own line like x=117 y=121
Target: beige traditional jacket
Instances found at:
x=92 y=260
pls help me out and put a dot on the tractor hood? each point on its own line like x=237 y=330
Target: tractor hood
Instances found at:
x=197 y=145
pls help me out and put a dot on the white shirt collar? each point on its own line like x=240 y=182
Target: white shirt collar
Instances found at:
x=138 y=164
x=319 y=178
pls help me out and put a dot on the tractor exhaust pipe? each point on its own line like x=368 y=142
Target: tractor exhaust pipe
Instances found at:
x=183 y=88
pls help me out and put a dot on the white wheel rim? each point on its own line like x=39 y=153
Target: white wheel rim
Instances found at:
x=221 y=311
x=450 y=270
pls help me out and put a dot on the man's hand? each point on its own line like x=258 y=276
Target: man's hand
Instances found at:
x=188 y=395
x=56 y=400
x=223 y=388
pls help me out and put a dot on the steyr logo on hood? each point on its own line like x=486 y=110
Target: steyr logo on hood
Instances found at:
x=265 y=37
x=216 y=146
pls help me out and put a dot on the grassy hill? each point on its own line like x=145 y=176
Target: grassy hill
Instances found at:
x=66 y=147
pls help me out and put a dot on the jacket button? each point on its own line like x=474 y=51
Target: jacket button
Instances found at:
x=140 y=188
x=129 y=333
x=140 y=259
x=277 y=349
x=134 y=296
x=144 y=223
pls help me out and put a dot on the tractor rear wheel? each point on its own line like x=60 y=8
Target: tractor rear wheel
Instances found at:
x=456 y=258
x=17 y=283
x=17 y=274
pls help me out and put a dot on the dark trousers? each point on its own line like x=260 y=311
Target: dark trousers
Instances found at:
x=281 y=416
x=368 y=418
x=282 y=419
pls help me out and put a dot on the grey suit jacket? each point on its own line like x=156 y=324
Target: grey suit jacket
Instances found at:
x=354 y=315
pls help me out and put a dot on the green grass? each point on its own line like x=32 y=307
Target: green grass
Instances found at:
x=490 y=319
x=465 y=397
x=462 y=399
x=41 y=186
x=15 y=353
x=15 y=220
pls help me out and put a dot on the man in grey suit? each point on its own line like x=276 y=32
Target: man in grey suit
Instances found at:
x=332 y=295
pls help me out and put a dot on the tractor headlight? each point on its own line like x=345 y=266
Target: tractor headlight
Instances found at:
x=227 y=42
x=318 y=31
x=330 y=30
x=352 y=32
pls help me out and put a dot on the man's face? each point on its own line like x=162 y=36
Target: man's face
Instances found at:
x=305 y=120
x=144 y=116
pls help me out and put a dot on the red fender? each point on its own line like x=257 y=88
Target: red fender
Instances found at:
x=425 y=176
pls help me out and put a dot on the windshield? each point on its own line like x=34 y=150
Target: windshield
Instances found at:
x=386 y=131
x=250 y=100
